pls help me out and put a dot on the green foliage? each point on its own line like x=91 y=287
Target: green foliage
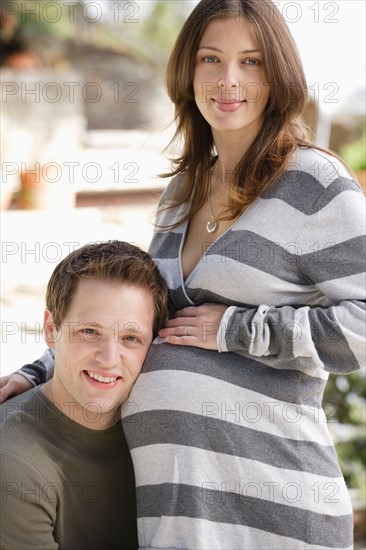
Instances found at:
x=352 y=460
x=162 y=27
x=147 y=30
x=36 y=18
x=345 y=402
x=355 y=153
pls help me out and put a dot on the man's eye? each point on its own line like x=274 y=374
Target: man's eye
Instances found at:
x=131 y=338
x=89 y=331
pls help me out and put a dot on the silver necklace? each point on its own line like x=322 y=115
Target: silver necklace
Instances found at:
x=211 y=225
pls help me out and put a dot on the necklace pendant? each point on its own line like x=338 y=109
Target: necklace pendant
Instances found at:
x=211 y=226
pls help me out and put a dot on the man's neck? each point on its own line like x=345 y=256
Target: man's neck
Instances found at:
x=89 y=418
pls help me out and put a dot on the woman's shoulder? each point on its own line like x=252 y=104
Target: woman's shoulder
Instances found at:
x=312 y=178
x=167 y=212
x=320 y=166
x=172 y=187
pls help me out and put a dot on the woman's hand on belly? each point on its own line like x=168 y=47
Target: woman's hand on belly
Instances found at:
x=195 y=326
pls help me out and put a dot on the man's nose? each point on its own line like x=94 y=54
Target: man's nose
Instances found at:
x=109 y=352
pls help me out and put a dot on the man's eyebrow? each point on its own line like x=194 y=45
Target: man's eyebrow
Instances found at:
x=135 y=329
x=129 y=327
x=220 y=51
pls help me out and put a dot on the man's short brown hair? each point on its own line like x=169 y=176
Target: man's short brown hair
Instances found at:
x=112 y=261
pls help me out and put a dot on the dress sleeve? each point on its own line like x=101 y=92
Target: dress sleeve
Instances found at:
x=27 y=516
x=40 y=370
x=330 y=251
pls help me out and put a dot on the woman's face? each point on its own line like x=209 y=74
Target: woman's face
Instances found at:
x=230 y=85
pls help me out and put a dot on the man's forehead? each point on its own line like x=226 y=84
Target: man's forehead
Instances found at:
x=97 y=287
x=109 y=302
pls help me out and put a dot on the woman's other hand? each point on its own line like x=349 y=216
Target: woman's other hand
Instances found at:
x=195 y=326
x=13 y=384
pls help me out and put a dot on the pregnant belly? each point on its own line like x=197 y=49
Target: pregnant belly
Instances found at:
x=190 y=387
x=182 y=370
x=198 y=416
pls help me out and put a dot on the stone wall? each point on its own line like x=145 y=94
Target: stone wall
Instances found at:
x=119 y=91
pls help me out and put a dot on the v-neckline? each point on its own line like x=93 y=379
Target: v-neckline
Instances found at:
x=185 y=282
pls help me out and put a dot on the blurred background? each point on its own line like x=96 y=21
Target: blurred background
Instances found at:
x=84 y=123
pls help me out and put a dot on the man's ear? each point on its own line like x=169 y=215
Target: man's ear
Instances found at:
x=49 y=329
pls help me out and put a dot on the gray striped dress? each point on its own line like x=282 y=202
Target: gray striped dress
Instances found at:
x=231 y=448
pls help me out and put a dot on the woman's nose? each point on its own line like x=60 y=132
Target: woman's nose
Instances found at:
x=228 y=83
x=229 y=76
x=229 y=89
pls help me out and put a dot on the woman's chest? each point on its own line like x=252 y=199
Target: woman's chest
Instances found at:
x=201 y=233
x=256 y=260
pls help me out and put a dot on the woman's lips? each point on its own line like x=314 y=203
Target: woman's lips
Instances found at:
x=228 y=106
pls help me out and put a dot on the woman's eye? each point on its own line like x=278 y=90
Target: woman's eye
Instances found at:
x=252 y=62
x=210 y=59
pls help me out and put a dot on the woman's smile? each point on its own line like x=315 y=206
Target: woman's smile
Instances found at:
x=228 y=105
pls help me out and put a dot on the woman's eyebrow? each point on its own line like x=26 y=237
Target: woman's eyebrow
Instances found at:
x=220 y=51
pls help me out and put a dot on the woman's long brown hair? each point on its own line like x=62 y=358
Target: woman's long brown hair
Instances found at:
x=282 y=130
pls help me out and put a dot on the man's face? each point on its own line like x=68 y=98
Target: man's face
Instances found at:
x=99 y=350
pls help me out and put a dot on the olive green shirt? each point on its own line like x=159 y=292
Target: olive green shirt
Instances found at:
x=63 y=486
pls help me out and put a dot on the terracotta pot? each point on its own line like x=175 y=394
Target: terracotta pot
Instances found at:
x=23 y=61
x=44 y=193
x=361 y=178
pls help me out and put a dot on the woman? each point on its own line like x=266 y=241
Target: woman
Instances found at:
x=225 y=426
x=259 y=237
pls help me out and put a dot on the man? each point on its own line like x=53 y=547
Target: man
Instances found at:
x=67 y=477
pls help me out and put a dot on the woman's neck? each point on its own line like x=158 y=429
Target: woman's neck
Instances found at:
x=230 y=150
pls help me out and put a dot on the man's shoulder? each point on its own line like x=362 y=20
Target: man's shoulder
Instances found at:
x=24 y=420
x=12 y=410
x=20 y=447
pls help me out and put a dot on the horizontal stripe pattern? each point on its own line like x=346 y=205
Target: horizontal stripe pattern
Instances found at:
x=305 y=184
x=289 y=386
x=354 y=333
x=179 y=464
x=286 y=521
x=231 y=403
x=261 y=287
x=336 y=261
x=165 y=243
x=343 y=219
x=346 y=288
x=297 y=189
x=247 y=248
x=274 y=335
x=206 y=535
x=324 y=167
x=291 y=271
x=228 y=438
x=340 y=185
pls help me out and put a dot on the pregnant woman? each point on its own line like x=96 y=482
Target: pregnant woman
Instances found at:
x=259 y=235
